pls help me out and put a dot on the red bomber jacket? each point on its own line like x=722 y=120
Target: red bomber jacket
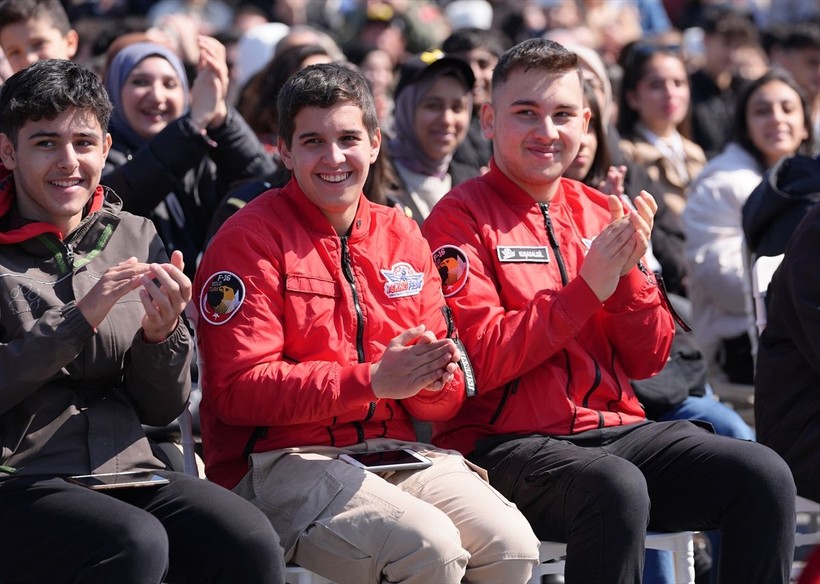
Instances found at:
x=290 y=317
x=549 y=357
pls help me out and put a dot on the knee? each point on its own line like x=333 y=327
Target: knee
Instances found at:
x=769 y=477
x=140 y=549
x=428 y=542
x=613 y=488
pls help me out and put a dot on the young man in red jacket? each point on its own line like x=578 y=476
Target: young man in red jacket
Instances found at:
x=323 y=332
x=558 y=313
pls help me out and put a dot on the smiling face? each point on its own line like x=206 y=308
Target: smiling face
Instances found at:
x=37 y=39
x=57 y=166
x=536 y=122
x=442 y=117
x=330 y=155
x=661 y=97
x=152 y=96
x=775 y=120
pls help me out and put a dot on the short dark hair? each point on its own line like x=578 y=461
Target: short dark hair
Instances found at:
x=730 y=22
x=15 y=11
x=741 y=133
x=468 y=38
x=324 y=85
x=535 y=53
x=48 y=88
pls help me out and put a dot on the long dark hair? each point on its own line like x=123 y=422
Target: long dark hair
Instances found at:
x=602 y=159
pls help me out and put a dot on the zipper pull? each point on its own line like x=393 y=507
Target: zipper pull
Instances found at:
x=69 y=255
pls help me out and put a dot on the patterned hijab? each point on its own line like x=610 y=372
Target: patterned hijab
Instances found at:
x=118 y=71
x=405 y=147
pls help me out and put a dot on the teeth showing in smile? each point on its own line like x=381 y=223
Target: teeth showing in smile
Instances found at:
x=65 y=183
x=334 y=178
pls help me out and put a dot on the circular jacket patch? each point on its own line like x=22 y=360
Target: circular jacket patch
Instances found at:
x=453 y=267
x=221 y=297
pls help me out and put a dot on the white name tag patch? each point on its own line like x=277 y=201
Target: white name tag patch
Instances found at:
x=523 y=254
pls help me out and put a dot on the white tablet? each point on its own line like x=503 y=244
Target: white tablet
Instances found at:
x=383 y=460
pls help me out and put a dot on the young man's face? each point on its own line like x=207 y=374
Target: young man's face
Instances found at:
x=330 y=154
x=36 y=40
x=536 y=121
x=57 y=165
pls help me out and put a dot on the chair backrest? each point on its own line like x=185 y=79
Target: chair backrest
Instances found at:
x=763 y=269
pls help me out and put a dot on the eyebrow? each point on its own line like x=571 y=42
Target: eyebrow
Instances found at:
x=304 y=135
x=44 y=134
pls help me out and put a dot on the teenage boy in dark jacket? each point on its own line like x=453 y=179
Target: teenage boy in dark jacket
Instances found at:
x=92 y=346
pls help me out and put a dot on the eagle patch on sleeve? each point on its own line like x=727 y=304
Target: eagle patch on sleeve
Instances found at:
x=453 y=267
x=221 y=297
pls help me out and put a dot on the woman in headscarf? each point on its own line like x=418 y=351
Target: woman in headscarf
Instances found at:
x=176 y=150
x=432 y=115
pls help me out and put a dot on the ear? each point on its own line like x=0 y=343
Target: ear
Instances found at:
x=375 y=145
x=284 y=153
x=7 y=154
x=487 y=118
x=72 y=42
x=107 y=141
x=587 y=114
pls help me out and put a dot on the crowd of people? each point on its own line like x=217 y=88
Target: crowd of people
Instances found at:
x=513 y=238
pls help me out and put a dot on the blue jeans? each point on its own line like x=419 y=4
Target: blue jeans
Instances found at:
x=659 y=568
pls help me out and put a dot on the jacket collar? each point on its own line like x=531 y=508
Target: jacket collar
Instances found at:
x=315 y=220
x=511 y=193
x=23 y=230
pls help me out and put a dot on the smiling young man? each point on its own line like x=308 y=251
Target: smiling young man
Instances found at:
x=557 y=314
x=91 y=348
x=34 y=30
x=323 y=330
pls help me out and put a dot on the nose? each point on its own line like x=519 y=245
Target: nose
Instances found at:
x=547 y=129
x=68 y=158
x=334 y=154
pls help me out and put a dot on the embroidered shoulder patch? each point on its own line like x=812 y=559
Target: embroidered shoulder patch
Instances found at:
x=221 y=297
x=402 y=280
x=453 y=267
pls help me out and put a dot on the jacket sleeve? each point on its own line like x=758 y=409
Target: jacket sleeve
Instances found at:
x=158 y=375
x=158 y=378
x=638 y=324
x=159 y=167
x=57 y=337
x=435 y=406
x=714 y=241
x=239 y=155
x=504 y=343
x=248 y=379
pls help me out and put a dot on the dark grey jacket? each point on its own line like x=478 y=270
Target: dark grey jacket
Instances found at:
x=73 y=399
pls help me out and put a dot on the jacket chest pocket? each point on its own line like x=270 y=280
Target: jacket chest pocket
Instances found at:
x=310 y=300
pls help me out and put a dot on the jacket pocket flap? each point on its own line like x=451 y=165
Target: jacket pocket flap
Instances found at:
x=312 y=285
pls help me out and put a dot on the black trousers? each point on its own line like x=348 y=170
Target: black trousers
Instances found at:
x=188 y=531
x=600 y=490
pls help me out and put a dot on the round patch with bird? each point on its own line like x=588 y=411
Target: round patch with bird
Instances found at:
x=453 y=267
x=221 y=297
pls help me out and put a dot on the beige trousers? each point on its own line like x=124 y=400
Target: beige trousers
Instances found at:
x=439 y=525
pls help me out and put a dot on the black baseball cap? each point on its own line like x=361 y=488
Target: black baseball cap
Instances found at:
x=417 y=66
